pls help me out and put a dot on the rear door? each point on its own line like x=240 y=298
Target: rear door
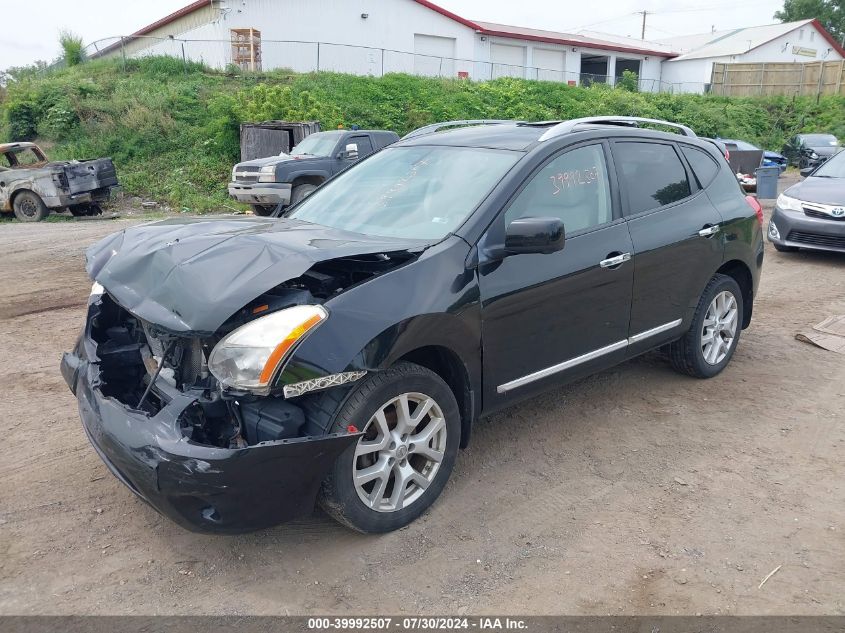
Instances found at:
x=548 y=318
x=676 y=234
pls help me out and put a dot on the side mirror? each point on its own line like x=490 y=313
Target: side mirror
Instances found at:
x=806 y=171
x=352 y=151
x=534 y=235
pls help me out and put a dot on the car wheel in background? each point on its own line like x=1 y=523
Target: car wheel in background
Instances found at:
x=301 y=192
x=411 y=425
x=263 y=209
x=709 y=344
x=29 y=207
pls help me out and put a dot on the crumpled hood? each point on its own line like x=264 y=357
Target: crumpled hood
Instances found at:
x=826 y=150
x=190 y=275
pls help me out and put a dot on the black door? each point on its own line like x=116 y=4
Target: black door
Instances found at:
x=677 y=239
x=548 y=318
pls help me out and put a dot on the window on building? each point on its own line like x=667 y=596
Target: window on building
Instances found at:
x=246 y=49
x=812 y=35
x=800 y=34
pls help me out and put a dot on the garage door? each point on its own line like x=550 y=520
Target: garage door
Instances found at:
x=434 y=56
x=508 y=61
x=550 y=64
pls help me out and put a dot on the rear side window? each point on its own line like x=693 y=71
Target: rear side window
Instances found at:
x=651 y=174
x=703 y=165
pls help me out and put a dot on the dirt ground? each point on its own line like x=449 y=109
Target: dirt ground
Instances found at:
x=636 y=491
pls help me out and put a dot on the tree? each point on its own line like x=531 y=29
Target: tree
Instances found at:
x=831 y=13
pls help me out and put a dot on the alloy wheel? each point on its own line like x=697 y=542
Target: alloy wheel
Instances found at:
x=719 y=329
x=400 y=452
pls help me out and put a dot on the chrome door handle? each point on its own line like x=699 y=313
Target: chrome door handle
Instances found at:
x=707 y=231
x=610 y=262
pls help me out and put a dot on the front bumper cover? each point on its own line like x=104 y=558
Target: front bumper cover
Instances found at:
x=202 y=488
x=798 y=230
x=264 y=193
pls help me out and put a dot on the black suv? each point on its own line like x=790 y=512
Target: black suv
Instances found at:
x=233 y=370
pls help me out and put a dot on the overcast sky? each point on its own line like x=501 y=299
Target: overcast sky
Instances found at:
x=31 y=27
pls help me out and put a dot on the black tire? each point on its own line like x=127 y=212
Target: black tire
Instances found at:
x=263 y=209
x=83 y=210
x=300 y=192
x=336 y=411
x=29 y=207
x=780 y=248
x=686 y=354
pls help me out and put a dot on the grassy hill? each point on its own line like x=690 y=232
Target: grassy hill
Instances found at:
x=172 y=129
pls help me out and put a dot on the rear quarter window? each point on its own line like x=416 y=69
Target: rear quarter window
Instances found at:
x=703 y=165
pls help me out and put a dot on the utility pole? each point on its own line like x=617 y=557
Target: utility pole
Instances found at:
x=643 y=13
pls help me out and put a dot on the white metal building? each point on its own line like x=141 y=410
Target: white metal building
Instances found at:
x=380 y=36
x=802 y=41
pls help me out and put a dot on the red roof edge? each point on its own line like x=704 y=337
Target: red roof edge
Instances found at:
x=194 y=6
x=449 y=14
x=831 y=40
x=555 y=40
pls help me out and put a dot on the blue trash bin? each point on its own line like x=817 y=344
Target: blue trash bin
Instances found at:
x=767 y=182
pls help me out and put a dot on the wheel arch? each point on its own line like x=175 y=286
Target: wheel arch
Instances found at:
x=448 y=365
x=315 y=178
x=741 y=273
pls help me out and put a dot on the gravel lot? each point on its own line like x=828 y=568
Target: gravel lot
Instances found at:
x=636 y=491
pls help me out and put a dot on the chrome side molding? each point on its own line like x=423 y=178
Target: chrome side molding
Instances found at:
x=578 y=360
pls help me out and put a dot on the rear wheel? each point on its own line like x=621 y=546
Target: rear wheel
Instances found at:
x=411 y=426
x=263 y=209
x=29 y=207
x=709 y=344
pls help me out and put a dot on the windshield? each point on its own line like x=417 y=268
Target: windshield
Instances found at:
x=834 y=167
x=319 y=144
x=420 y=192
x=819 y=140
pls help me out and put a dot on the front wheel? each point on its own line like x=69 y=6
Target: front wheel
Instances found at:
x=300 y=192
x=263 y=209
x=411 y=425
x=709 y=344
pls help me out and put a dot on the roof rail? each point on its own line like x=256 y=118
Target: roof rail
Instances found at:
x=633 y=121
x=436 y=127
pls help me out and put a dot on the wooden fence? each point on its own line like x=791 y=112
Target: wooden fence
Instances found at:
x=744 y=80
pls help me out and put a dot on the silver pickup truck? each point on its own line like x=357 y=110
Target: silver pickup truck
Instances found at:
x=31 y=186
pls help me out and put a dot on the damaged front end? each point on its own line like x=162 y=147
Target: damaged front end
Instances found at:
x=182 y=375
x=210 y=461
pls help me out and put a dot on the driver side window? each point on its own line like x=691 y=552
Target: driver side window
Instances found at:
x=572 y=186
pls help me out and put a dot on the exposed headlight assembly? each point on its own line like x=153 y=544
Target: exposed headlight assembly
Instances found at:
x=267 y=174
x=789 y=204
x=248 y=358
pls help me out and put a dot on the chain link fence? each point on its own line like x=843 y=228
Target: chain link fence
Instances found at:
x=306 y=56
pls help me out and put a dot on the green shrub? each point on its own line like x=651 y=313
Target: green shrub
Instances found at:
x=172 y=128
x=73 y=49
